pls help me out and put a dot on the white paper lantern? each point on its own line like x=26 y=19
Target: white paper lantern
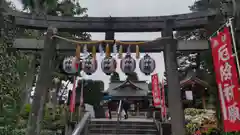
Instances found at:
x=108 y=65
x=89 y=65
x=128 y=64
x=147 y=65
x=69 y=65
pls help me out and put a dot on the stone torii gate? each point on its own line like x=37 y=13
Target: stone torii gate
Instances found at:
x=165 y=24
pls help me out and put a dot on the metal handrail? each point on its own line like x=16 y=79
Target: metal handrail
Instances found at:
x=83 y=124
x=158 y=125
x=118 y=116
x=119 y=109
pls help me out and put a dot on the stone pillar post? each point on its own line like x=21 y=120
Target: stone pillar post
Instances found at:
x=174 y=92
x=109 y=35
x=45 y=76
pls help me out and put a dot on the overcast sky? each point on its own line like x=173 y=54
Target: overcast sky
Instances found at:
x=126 y=8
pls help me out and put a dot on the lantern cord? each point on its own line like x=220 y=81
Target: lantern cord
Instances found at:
x=95 y=42
x=108 y=51
x=137 y=52
x=78 y=51
x=94 y=52
x=120 y=52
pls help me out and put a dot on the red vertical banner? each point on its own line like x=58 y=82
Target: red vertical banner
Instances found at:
x=156 y=91
x=73 y=96
x=164 y=109
x=227 y=80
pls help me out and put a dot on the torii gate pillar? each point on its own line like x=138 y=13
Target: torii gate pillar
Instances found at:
x=174 y=92
x=109 y=35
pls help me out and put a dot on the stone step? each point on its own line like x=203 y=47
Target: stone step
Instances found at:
x=117 y=134
x=122 y=125
x=127 y=122
x=141 y=114
x=129 y=126
x=121 y=131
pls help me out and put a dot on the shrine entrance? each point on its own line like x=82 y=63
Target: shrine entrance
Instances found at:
x=110 y=25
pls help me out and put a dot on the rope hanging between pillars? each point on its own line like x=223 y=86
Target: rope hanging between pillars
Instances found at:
x=96 y=42
x=78 y=51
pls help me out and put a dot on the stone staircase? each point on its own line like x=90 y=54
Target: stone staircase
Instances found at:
x=127 y=127
x=141 y=115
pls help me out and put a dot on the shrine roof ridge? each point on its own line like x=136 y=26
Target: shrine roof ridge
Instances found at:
x=195 y=79
x=123 y=83
x=140 y=81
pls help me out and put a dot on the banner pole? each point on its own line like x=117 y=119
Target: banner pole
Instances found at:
x=81 y=100
x=234 y=45
x=73 y=96
x=71 y=116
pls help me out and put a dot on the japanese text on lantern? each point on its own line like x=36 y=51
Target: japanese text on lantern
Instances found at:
x=227 y=80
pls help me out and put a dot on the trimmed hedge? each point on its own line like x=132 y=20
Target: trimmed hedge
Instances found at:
x=10 y=131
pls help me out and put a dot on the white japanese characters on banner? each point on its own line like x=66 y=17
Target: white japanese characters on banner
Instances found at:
x=156 y=91
x=227 y=79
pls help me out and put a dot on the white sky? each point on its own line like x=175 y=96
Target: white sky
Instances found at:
x=120 y=8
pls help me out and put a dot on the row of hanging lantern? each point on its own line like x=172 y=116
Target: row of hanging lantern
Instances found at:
x=88 y=63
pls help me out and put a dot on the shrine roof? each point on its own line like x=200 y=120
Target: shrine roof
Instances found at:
x=114 y=85
x=193 y=80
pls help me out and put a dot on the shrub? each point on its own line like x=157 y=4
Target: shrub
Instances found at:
x=10 y=131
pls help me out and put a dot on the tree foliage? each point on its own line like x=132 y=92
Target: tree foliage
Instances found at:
x=17 y=69
x=132 y=76
x=92 y=91
x=205 y=58
x=56 y=8
x=114 y=77
x=205 y=5
x=14 y=76
x=53 y=120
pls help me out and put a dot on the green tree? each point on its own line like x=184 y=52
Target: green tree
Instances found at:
x=204 y=5
x=15 y=75
x=205 y=57
x=132 y=76
x=56 y=8
x=221 y=7
x=92 y=91
x=114 y=77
